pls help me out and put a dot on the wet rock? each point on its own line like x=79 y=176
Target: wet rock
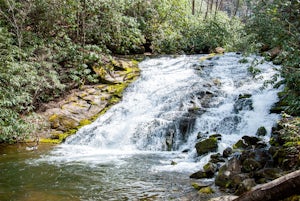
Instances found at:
x=198 y=185
x=218 y=136
x=216 y=158
x=206 y=146
x=201 y=175
x=210 y=168
x=187 y=122
x=244 y=96
x=227 y=152
x=247 y=142
x=261 y=131
x=173 y=163
x=206 y=190
x=244 y=102
x=208 y=172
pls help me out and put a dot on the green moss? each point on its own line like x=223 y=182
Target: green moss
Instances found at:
x=114 y=100
x=117 y=89
x=206 y=190
x=84 y=122
x=53 y=118
x=196 y=186
x=134 y=62
x=50 y=141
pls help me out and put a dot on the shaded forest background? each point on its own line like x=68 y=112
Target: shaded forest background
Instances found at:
x=48 y=47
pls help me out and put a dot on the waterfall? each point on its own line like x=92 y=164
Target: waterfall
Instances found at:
x=178 y=99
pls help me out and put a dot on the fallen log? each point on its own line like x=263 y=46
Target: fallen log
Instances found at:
x=278 y=189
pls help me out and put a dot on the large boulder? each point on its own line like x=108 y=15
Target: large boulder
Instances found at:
x=227 y=172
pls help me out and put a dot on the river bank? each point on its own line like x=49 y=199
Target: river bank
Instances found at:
x=58 y=119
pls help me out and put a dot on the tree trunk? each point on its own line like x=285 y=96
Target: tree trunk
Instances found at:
x=237 y=5
x=211 y=5
x=216 y=10
x=277 y=189
x=207 y=9
x=193 y=7
x=220 y=6
x=201 y=6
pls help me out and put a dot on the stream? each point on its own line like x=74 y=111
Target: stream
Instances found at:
x=143 y=147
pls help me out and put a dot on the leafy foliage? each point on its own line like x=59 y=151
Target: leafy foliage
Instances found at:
x=21 y=85
x=48 y=46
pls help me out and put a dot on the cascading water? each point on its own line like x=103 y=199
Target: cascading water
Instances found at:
x=160 y=118
x=176 y=98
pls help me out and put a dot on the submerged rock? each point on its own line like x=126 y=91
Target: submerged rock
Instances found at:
x=243 y=104
x=227 y=152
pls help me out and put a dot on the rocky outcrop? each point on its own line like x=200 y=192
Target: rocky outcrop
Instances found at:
x=285 y=143
x=82 y=106
x=251 y=162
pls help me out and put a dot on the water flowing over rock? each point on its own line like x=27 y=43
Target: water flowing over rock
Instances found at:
x=189 y=111
x=172 y=101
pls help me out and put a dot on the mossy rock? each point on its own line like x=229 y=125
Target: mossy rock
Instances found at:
x=84 y=122
x=261 y=131
x=210 y=169
x=206 y=146
x=206 y=190
x=243 y=96
x=250 y=165
x=199 y=175
x=240 y=145
x=198 y=186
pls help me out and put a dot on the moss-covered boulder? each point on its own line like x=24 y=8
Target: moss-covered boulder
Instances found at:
x=201 y=175
x=247 y=142
x=261 y=131
x=206 y=146
x=206 y=190
x=62 y=122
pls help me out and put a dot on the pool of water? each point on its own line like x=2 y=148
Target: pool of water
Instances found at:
x=30 y=175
